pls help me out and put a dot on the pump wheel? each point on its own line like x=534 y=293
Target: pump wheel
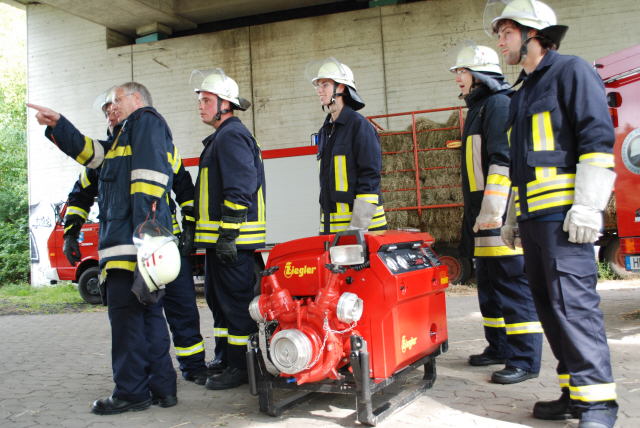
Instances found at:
x=459 y=267
x=615 y=259
x=88 y=285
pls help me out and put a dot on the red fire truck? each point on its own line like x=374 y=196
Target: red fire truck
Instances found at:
x=86 y=273
x=620 y=73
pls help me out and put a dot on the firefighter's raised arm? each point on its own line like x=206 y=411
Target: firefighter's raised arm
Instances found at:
x=45 y=116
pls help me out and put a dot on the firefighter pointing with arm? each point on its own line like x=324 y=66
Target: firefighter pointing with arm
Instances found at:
x=230 y=222
x=85 y=189
x=179 y=301
x=561 y=140
x=510 y=321
x=134 y=176
x=349 y=154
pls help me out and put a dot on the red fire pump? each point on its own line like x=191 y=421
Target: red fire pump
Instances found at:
x=348 y=313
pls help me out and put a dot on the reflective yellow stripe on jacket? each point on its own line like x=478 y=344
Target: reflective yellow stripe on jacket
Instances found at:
x=251 y=232
x=340 y=167
x=73 y=210
x=603 y=160
x=473 y=161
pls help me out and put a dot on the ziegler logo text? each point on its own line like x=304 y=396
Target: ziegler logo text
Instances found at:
x=408 y=343
x=291 y=270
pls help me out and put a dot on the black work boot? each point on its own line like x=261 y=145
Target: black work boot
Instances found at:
x=510 y=375
x=555 y=410
x=167 y=401
x=113 y=406
x=485 y=359
x=215 y=366
x=231 y=377
x=198 y=377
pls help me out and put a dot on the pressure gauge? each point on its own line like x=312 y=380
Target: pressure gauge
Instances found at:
x=402 y=262
x=391 y=263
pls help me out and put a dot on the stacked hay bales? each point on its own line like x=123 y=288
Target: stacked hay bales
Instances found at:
x=439 y=178
x=610 y=219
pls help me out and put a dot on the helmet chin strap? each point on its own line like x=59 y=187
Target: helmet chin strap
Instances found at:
x=220 y=112
x=333 y=96
x=524 y=34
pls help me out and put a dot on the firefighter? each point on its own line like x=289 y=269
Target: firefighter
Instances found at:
x=510 y=321
x=349 y=153
x=230 y=221
x=135 y=174
x=561 y=140
x=179 y=301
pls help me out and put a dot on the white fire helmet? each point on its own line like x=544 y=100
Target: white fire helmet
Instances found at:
x=476 y=58
x=103 y=101
x=158 y=261
x=530 y=13
x=331 y=68
x=217 y=82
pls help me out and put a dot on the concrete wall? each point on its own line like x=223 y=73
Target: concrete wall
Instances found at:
x=398 y=54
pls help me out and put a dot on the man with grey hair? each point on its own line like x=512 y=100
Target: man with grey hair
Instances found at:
x=135 y=175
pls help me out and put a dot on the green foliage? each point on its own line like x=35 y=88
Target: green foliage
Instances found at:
x=22 y=299
x=605 y=272
x=14 y=203
x=24 y=293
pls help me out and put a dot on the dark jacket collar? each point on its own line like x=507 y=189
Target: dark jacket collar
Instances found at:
x=481 y=92
x=222 y=125
x=547 y=61
x=345 y=114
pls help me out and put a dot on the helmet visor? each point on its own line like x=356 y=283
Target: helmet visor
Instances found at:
x=206 y=79
x=102 y=101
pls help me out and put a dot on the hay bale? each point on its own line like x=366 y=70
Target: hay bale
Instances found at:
x=610 y=218
x=403 y=219
x=443 y=224
x=439 y=186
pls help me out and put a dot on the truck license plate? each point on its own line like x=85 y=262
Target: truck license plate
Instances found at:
x=632 y=263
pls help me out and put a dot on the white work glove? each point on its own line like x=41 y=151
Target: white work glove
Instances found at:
x=510 y=232
x=592 y=191
x=362 y=215
x=494 y=200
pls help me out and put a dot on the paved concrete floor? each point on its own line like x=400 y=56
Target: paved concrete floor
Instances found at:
x=54 y=366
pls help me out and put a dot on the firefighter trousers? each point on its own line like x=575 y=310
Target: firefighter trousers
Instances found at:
x=563 y=276
x=509 y=315
x=230 y=289
x=180 y=308
x=139 y=343
x=220 y=331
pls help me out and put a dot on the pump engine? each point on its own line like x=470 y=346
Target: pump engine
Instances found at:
x=348 y=313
